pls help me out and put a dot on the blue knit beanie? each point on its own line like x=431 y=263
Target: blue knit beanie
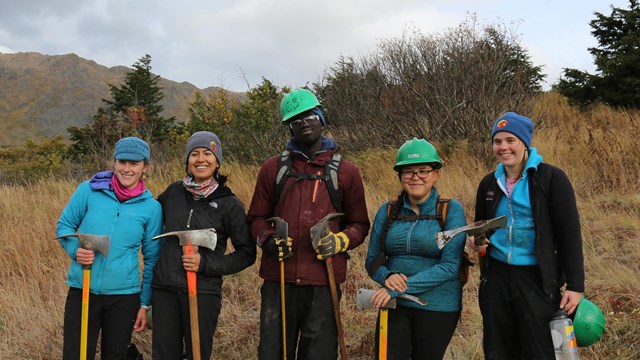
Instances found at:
x=318 y=112
x=132 y=148
x=207 y=140
x=518 y=125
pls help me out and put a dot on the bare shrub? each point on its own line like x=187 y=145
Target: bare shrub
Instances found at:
x=439 y=87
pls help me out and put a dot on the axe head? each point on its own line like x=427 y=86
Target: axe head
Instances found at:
x=96 y=243
x=321 y=229
x=207 y=238
x=363 y=300
x=282 y=227
x=475 y=229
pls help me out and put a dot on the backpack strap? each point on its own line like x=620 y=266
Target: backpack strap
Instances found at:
x=330 y=177
x=382 y=258
x=442 y=207
x=331 y=170
x=285 y=163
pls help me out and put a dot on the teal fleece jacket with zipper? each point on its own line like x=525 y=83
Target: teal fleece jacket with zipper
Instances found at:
x=130 y=226
x=411 y=248
x=514 y=245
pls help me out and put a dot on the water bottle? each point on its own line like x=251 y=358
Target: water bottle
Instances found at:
x=563 y=336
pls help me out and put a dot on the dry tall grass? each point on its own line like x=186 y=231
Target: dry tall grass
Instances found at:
x=597 y=149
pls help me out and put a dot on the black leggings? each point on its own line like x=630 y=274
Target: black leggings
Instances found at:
x=112 y=315
x=516 y=313
x=172 y=324
x=418 y=334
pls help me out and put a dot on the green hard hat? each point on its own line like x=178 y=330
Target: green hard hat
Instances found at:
x=296 y=102
x=588 y=323
x=417 y=151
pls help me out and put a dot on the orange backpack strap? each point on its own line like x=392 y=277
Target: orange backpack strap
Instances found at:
x=442 y=206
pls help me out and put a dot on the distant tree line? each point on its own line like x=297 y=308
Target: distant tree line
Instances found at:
x=447 y=88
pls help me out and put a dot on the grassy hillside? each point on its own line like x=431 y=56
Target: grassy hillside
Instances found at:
x=597 y=150
x=42 y=95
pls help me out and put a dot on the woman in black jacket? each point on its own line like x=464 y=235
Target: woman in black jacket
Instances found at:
x=540 y=250
x=199 y=201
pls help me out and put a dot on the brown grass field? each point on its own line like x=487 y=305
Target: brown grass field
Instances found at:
x=598 y=150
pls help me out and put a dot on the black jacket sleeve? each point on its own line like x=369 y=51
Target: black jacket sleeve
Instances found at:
x=236 y=227
x=565 y=222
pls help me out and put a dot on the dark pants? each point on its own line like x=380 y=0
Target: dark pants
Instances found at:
x=172 y=327
x=113 y=314
x=516 y=313
x=417 y=334
x=311 y=327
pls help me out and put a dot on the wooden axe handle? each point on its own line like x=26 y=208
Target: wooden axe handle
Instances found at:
x=193 y=306
x=336 y=307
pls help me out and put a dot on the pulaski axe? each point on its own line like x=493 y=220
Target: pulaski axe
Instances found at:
x=96 y=243
x=189 y=239
x=363 y=302
x=476 y=229
x=318 y=231
x=282 y=230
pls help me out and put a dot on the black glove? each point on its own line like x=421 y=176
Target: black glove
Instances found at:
x=278 y=247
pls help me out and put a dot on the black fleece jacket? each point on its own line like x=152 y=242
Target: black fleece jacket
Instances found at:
x=221 y=210
x=558 y=241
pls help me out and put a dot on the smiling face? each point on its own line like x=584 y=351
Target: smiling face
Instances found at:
x=202 y=164
x=510 y=151
x=129 y=172
x=417 y=181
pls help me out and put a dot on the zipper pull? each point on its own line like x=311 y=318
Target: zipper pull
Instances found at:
x=189 y=220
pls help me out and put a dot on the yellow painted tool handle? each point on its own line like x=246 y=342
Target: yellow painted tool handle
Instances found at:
x=283 y=312
x=84 y=320
x=384 y=329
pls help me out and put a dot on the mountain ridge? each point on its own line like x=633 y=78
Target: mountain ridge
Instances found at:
x=43 y=95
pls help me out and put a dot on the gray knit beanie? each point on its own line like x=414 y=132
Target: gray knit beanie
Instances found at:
x=207 y=140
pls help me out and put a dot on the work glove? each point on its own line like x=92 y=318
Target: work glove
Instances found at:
x=332 y=244
x=278 y=247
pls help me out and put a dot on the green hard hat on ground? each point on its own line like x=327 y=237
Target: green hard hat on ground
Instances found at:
x=296 y=102
x=417 y=151
x=588 y=323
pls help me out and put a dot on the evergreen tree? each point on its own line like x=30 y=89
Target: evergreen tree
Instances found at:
x=137 y=101
x=617 y=59
x=134 y=110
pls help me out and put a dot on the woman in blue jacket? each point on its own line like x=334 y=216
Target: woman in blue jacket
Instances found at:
x=114 y=203
x=407 y=260
x=527 y=263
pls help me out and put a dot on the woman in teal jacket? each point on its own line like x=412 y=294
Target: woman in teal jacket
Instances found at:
x=408 y=260
x=114 y=203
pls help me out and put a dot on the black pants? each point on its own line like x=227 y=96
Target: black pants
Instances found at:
x=310 y=323
x=516 y=313
x=113 y=314
x=417 y=334
x=172 y=326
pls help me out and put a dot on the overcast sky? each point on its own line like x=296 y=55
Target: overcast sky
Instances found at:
x=230 y=43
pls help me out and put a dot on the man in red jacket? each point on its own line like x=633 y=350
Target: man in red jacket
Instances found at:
x=302 y=200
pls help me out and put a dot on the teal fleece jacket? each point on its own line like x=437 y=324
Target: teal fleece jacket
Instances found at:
x=514 y=245
x=411 y=248
x=130 y=226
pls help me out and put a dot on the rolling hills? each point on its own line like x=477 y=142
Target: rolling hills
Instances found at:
x=43 y=95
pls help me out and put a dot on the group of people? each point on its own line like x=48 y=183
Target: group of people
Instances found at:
x=523 y=266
